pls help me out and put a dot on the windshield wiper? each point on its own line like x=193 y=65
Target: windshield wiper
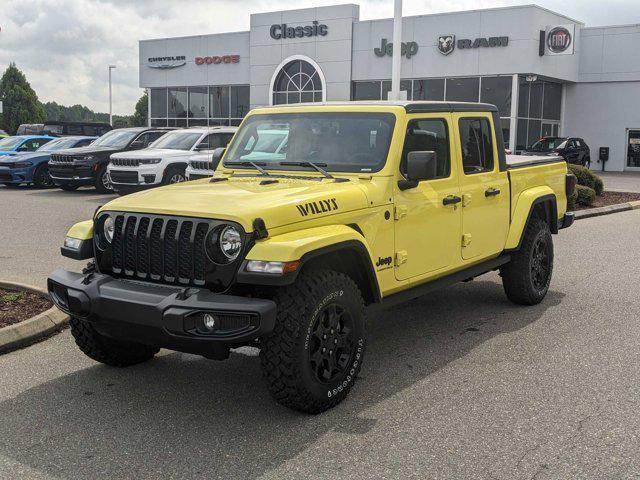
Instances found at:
x=317 y=166
x=247 y=163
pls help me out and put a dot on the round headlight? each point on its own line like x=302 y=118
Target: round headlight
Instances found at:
x=108 y=228
x=224 y=244
x=230 y=243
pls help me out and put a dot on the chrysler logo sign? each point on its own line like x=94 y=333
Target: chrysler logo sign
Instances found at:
x=167 y=62
x=558 y=39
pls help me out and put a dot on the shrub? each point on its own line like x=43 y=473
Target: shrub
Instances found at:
x=585 y=195
x=587 y=178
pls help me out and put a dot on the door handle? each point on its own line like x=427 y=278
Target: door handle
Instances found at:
x=491 y=192
x=451 y=200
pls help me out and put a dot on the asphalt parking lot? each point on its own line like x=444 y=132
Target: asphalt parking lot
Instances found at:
x=458 y=384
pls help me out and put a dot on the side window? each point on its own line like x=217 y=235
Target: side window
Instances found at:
x=84 y=142
x=428 y=136
x=153 y=136
x=211 y=141
x=477 y=145
x=225 y=138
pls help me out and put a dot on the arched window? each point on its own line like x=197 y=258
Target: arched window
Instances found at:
x=298 y=81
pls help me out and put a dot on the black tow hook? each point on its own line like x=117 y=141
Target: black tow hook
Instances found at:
x=185 y=293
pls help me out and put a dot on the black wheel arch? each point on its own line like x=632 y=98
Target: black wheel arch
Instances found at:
x=544 y=208
x=350 y=257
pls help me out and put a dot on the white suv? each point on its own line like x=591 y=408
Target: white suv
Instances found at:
x=165 y=160
x=202 y=164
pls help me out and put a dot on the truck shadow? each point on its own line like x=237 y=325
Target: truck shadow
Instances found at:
x=181 y=416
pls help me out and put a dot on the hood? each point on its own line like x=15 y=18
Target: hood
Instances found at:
x=22 y=156
x=86 y=150
x=155 y=153
x=242 y=200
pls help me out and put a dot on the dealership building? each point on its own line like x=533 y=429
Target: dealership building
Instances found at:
x=547 y=73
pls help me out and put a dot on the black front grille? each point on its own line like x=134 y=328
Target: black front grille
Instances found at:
x=61 y=159
x=125 y=162
x=118 y=176
x=8 y=165
x=171 y=250
x=201 y=165
x=6 y=177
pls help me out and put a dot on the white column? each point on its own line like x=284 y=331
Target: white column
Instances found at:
x=513 y=120
x=149 y=106
x=396 y=59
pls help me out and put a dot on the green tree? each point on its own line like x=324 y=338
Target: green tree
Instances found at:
x=19 y=102
x=142 y=108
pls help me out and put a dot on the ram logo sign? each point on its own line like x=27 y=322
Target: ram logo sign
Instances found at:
x=446 y=44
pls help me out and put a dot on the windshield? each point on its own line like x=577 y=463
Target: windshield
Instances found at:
x=547 y=144
x=10 y=143
x=57 y=144
x=115 y=138
x=180 y=140
x=340 y=142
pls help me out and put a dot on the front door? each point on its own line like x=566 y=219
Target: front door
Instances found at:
x=633 y=149
x=427 y=225
x=483 y=187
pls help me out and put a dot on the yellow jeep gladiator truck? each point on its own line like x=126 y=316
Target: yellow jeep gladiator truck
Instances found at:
x=287 y=246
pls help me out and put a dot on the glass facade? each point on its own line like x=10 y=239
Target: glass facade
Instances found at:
x=495 y=90
x=539 y=110
x=201 y=106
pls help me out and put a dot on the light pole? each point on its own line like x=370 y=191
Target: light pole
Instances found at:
x=397 y=51
x=111 y=67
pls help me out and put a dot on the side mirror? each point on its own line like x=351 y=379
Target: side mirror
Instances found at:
x=420 y=166
x=216 y=156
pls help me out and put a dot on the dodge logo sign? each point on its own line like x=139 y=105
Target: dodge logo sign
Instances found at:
x=558 y=39
x=446 y=44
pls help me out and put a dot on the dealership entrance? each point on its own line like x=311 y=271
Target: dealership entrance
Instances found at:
x=633 y=149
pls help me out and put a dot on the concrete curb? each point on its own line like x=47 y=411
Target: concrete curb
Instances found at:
x=33 y=329
x=596 y=212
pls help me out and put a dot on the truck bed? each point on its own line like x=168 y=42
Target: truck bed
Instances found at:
x=519 y=161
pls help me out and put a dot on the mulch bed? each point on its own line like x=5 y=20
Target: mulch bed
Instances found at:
x=18 y=306
x=611 y=198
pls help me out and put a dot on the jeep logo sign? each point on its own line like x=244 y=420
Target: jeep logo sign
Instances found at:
x=408 y=49
x=558 y=39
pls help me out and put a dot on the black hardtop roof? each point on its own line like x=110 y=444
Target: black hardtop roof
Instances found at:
x=411 y=106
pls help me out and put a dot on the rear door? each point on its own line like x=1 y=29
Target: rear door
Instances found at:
x=483 y=186
x=427 y=230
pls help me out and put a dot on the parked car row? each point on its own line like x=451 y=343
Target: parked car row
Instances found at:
x=572 y=149
x=122 y=160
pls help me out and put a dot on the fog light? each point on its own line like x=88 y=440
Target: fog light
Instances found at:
x=209 y=322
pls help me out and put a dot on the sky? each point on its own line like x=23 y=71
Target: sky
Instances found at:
x=65 y=46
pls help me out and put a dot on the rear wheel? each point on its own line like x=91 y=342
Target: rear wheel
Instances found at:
x=527 y=276
x=314 y=354
x=107 y=350
x=103 y=182
x=175 y=174
x=41 y=177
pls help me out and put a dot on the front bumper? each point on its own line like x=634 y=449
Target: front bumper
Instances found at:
x=567 y=220
x=15 y=175
x=72 y=175
x=160 y=315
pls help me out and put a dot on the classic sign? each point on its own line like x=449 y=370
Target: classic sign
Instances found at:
x=278 y=32
x=407 y=49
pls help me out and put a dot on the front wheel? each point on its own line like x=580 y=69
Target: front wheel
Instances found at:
x=174 y=175
x=103 y=181
x=107 y=350
x=313 y=356
x=527 y=276
x=41 y=177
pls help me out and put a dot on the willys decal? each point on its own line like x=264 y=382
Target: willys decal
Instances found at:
x=315 y=208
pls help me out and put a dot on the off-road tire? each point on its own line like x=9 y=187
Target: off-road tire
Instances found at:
x=68 y=188
x=107 y=350
x=522 y=281
x=286 y=353
x=99 y=182
x=171 y=172
x=40 y=182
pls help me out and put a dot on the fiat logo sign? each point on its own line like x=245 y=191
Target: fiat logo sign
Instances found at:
x=558 y=39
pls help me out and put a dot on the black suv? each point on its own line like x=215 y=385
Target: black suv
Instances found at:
x=87 y=166
x=573 y=150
